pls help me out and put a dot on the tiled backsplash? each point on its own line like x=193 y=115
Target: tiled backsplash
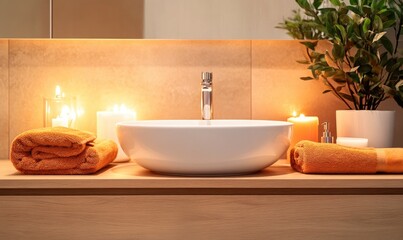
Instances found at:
x=159 y=79
x=4 y=87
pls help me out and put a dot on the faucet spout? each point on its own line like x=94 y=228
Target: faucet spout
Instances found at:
x=207 y=96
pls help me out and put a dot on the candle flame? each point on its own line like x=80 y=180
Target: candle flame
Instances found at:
x=122 y=109
x=294 y=113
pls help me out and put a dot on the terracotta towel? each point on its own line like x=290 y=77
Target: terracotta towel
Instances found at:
x=312 y=157
x=60 y=150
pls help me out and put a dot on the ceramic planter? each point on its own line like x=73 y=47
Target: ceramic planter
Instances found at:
x=375 y=125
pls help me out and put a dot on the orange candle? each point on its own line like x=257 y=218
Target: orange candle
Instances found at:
x=304 y=128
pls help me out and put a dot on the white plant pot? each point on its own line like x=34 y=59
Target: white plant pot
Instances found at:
x=377 y=126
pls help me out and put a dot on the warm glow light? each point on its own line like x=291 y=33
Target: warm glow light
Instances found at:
x=58 y=92
x=302 y=118
x=80 y=112
x=122 y=109
x=65 y=113
x=304 y=128
x=294 y=114
x=115 y=108
x=65 y=117
x=60 y=111
x=106 y=125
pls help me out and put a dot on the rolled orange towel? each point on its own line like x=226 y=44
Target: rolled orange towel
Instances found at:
x=312 y=157
x=60 y=150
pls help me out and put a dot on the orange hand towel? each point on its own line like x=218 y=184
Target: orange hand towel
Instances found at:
x=60 y=150
x=312 y=157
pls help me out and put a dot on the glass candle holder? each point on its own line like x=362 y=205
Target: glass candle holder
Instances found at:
x=59 y=111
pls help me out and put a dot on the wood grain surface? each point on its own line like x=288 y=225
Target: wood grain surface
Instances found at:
x=201 y=217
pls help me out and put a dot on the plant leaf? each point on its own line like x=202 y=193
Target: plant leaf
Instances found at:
x=387 y=44
x=337 y=51
x=339 y=88
x=393 y=67
x=354 y=77
x=310 y=45
x=306 y=78
x=365 y=25
x=354 y=10
x=389 y=23
x=317 y=3
x=367 y=9
x=354 y=69
x=378 y=36
x=366 y=68
x=378 y=5
x=399 y=100
x=335 y=2
x=375 y=85
x=353 y=2
x=383 y=58
x=303 y=61
x=347 y=97
x=303 y=3
x=377 y=25
x=342 y=31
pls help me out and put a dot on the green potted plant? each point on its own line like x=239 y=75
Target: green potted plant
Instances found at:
x=362 y=67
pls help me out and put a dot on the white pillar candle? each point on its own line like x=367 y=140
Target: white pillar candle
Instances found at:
x=106 y=128
x=352 y=142
x=60 y=122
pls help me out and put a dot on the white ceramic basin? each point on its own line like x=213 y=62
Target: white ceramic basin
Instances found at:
x=204 y=147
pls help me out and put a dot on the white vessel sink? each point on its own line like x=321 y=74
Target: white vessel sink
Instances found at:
x=204 y=147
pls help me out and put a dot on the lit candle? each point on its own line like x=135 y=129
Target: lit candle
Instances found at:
x=106 y=126
x=62 y=120
x=59 y=111
x=58 y=92
x=352 y=142
x=304 y=128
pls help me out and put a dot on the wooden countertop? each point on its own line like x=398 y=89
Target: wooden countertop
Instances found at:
x=129 y=178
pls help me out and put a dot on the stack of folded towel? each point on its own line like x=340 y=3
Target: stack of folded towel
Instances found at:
x=312 y=157
x=60 y=150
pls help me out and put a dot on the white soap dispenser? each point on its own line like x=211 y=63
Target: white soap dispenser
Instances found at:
x=327 y=135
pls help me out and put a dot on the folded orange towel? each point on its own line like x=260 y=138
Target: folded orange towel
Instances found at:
x=312 y=157
x=60 y=150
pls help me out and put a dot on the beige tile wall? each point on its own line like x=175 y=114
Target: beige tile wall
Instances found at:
x=160 y=79
x=4 y=131
x=277 y=90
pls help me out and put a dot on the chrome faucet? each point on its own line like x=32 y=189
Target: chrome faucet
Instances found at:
x=207 y=96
